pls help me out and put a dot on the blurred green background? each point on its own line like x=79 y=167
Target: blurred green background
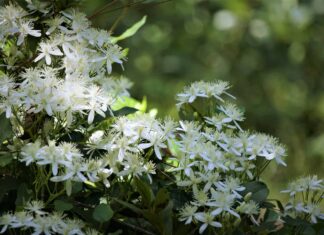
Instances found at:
x=271 y=51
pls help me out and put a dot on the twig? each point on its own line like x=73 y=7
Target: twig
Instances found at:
x=118 y=19
x=134 y=227
x=101 y=9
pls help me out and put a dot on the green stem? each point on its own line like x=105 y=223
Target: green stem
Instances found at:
x=54 y=196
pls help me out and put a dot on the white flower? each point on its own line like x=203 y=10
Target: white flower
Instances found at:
x=42 y=225
x=36 y=207
x=315 y=212
x=5 y=221
x=22 y=219
x=26 y=28
x=74 y=171
x=187 y=213
x=233 y=114
x=231 y=185
x=29 y=152
x=222 y=202
x=47 y=50
x=53 y=24
x=207 y=219
x=155 y=140
x=112 y=54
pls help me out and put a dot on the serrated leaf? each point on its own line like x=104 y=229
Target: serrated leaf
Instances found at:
x=131 y=31
x=102 y=213
x=62 y=205
x=5 y=127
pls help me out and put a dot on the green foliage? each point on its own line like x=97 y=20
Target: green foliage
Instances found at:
x=102 y=213
x=61 y=205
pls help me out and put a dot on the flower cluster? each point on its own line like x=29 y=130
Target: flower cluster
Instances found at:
x=204 y=90
x=306 y=195
x=74 y=80
x=36 y=221
x=216 y=157
x=14 y=21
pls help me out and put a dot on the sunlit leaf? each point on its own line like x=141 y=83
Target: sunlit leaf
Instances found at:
x=131 y=31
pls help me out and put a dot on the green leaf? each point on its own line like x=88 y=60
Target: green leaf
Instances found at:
x=271 y=216
x=76 y=187
x=5 y=128
x=258 y=189
x=74 y=136
x=62 y=205
x=23 y=195
x=102 y=213
x=166 y=217
x=125 y=111
x=145 y=190
x=162 y=197
x=131 y=31
x=5 y=158
x=130 y=102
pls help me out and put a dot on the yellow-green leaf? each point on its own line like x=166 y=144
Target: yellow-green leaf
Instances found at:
x=131 y=31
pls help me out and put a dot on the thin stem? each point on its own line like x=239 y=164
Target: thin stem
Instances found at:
x=118 y=19
x=101 y=9
x=121 y=7
x=54 y=196
x=136 y=228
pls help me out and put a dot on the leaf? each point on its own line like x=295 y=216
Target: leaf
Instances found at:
x=166 y=217
x=258 y=189
x=131 y=31
x=62 y=205
x=130 y=102
x=271 y=216
x=162 y=197
x=186 y=113
x=5 y=128
x=76 y=187
x=125 y=111
x=23 y=195
x=162 y=221
x=102 y=213
x=117 y=113
x=145 y=190
x=74 y=136
x=5 y=158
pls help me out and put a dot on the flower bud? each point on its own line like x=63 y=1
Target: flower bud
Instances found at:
x=248 y=196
